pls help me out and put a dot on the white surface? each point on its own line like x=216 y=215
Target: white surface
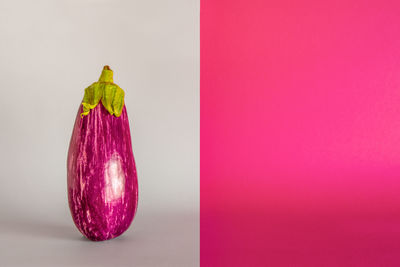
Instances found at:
x=49 y=52
x=155 y=239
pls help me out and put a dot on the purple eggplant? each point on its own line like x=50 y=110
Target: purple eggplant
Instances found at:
x=102 y=178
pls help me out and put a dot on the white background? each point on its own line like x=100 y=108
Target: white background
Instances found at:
x=49 y=52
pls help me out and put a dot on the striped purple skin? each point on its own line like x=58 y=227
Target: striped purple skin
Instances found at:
x=102 y=179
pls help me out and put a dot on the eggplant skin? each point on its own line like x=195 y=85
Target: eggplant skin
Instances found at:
x=102 y=178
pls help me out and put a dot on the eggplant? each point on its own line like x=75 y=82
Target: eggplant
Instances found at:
x=101 y=171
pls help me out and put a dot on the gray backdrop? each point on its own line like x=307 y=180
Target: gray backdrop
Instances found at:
x=49 y=52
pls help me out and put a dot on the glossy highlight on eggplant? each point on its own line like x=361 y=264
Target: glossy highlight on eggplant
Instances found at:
x=102 y=178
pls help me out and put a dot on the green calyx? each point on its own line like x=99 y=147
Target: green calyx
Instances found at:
x=110 y=94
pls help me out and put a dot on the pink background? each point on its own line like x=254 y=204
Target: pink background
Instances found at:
x=300 y=133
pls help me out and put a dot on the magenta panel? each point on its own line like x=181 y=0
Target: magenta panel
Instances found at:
x=300 y=133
